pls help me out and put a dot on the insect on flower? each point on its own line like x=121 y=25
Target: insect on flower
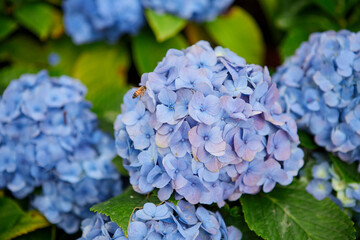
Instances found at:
x=140 y=91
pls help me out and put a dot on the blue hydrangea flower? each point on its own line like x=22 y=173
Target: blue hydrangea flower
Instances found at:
x=319 y=87
x=199 y=11
x=49 y=139
x=210 y=129
x=165 y=221
x=319 y=188
x=326 y=182
x=53 y=59
x=95 y=20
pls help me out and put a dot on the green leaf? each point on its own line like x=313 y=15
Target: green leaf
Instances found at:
x=40 y=18
x=120 y=208
x=147 y=52
x=336 y=8
x=349 y=4
x=103 y=69
x=13 y=72
x=329 y=6
x=308 y=22
x=288 y=10
x=15 y=222
x=195 y=33
x=7 y=27
x=29 y=222
x=269 y=7
x=239 y=32
x=10 y=214
x=354 y=20
x=23 y=49
x=164 y=26
x=292 y=213
x=171 y=199
x=118 y=163
x=292 y=41
x=234 y=216
x=348 y=172
x=306 y=140
x=40 y=234
x=68 y=53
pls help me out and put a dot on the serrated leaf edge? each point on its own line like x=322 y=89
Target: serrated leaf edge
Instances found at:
x=332 y=205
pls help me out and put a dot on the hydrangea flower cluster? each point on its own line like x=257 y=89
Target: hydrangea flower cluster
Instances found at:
x=320 y=88
x=209 y=127
x=165 y=221
x=94 y=20
x=327 y=183
x=49 y=138
x=199 y=11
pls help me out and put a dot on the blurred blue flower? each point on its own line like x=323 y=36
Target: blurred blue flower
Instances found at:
x=199 y=11
x=53 y=142
x=53 y=59
x=321 y=171
x=327 y=183
x=94 y=20
x=319 y=88
x=320 y=189
x=217 y=125
x=165 y=221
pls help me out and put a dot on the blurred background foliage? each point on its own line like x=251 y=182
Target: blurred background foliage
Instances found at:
x=264 y=32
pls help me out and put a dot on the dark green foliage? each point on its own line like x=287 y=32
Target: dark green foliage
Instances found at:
x=292 y=213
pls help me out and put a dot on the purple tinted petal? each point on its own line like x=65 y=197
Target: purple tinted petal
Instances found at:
x=143 y=215
x=268 y=186
x=248 y=155
x=203 y=130
x=215 y=135
x=167 y=96
x=137 y=230
x=162 y=212
x=130 y=118
x=164 y=114
x=212 y=105
x=216 y=149
x=280 y=176
x=194 y=138
x=165 y=192
x=251 y=179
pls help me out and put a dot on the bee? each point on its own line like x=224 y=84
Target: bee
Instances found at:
x=65 y=121
x=140 y=91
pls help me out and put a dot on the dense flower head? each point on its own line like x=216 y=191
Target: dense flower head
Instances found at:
x=94 y=20
x=207 y=126
x=166 y=221
x=49 y=138
x=320 y=88
x=199 y=11
x=326 y=182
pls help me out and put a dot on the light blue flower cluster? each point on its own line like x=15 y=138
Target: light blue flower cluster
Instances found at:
x=94 y=20
x=49 y=138
x=209 y=127
x=165 y=221
x=327 y=183
x=199 y=11
x=320 y=88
